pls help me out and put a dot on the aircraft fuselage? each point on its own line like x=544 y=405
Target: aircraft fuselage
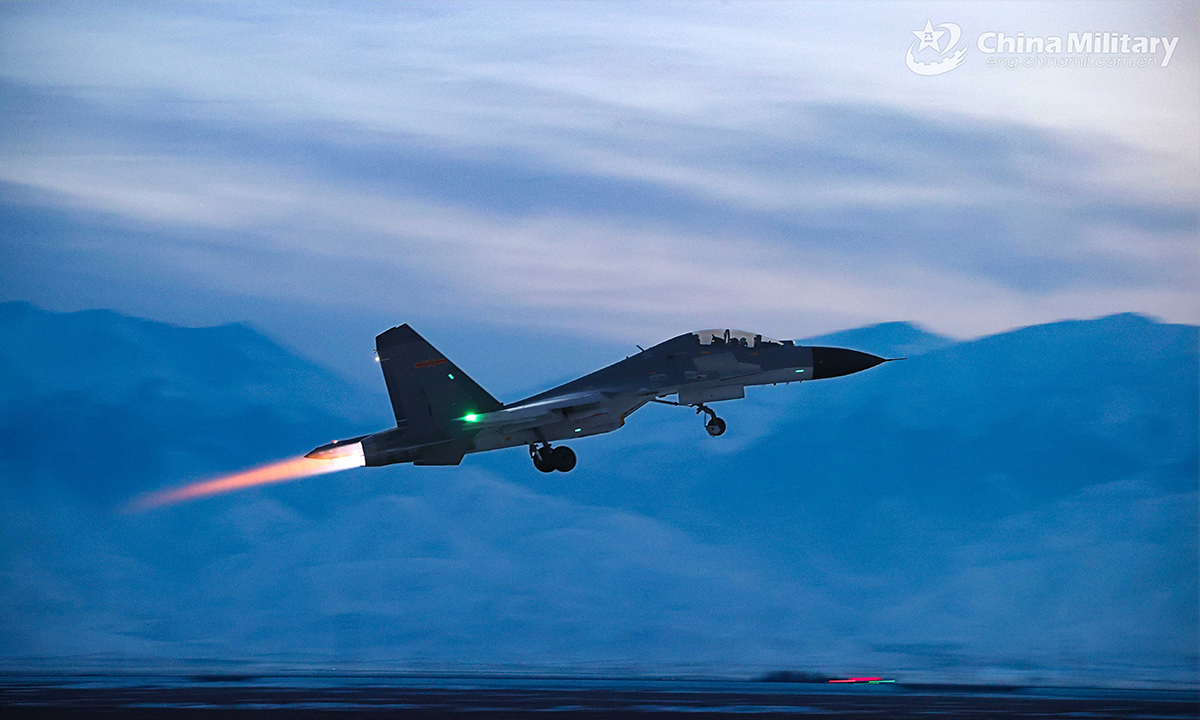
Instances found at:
x=443 y=415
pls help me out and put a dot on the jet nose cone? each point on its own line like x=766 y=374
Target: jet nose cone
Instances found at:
x=834 y=362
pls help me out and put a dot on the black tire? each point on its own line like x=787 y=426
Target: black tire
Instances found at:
x=543 y=461
x=715 y=427
x=564 y=459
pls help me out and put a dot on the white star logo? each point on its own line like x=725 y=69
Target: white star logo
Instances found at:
x=929 y=37
x=932 y=38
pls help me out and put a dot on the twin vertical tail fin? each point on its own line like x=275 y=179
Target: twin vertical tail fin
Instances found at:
x=430 y=394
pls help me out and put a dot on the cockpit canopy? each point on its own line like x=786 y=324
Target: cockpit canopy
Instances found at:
x=734 y=337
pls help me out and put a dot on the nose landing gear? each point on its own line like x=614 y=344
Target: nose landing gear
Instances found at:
x=548 y=459
x=715 y=425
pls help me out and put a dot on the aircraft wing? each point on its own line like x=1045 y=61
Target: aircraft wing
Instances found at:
x=577 y=404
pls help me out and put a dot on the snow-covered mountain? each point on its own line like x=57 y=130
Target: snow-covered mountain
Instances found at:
x=1021 y=506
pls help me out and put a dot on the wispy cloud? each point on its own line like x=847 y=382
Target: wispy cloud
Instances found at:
x=623 y=167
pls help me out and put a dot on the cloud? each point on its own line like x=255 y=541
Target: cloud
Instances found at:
x=623 y=171
x=610 y=273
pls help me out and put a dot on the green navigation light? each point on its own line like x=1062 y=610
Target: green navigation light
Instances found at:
x=471 y=418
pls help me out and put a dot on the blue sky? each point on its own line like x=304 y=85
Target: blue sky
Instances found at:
x=609 y=172
x=538 y=187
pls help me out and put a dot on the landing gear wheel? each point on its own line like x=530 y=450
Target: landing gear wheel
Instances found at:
x=715 y=427
x=543 y=458
x=563 y=459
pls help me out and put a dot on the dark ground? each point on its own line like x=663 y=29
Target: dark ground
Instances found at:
x=233 y=696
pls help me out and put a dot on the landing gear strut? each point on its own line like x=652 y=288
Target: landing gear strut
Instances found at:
x=548 y=459
x=715 y=425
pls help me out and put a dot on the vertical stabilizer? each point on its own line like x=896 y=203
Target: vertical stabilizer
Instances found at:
x=430 y=394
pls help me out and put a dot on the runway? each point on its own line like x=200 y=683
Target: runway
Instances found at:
x=374 y=696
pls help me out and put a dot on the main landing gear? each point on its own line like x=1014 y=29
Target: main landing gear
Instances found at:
x=548 y=459
x=715 y=425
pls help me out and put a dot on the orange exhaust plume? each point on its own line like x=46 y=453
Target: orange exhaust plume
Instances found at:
x=277 y=472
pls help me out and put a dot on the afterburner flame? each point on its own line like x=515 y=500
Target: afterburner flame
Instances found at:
x=277 y=472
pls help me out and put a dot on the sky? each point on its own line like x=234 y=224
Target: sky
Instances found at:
x=537 y=188
x=603 y=172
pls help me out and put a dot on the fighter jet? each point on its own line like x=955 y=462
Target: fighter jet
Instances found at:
x=442 y=414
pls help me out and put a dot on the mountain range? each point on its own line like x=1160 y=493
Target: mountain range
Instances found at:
x=1021 y=506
